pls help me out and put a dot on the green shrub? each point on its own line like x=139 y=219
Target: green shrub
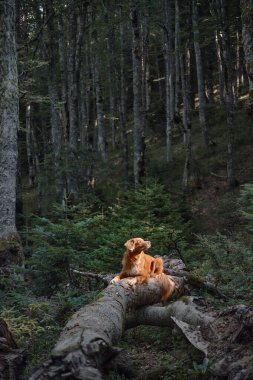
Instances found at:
x=246 y=203
x=93 y=240
x=229 y=263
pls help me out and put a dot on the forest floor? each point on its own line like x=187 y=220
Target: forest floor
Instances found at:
x=157 y=353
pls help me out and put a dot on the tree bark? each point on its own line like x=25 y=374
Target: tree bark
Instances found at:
x=139 y=145
x=169 y=80
x=57 y=131
x=122 y=106
x=221 y=69
x=112 y=84
x=64 y=76
x=99 y=109
x=177 y=61
x=247 y=38
x=184 y=61
x=230 y=101
x=29 y=153
x=9 y=104
x=72 y=106
x=219 y=9
x=200 y=76
x=86 y=343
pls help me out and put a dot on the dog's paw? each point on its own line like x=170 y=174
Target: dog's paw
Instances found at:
x=115 y=280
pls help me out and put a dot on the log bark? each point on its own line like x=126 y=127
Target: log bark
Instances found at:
x=86 y=343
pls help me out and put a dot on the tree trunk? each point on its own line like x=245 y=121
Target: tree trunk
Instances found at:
x=186 y=123
x=139 y=162
x=122 y=106
x=73 y=107
x=177 y=61
x=29 y=152
x=64 y=78
x=158 y=73
x=230 y=101
x=221 y=69
x=247 y=38
x=10 y=249
x=112 y=84
x=145 y=68
x=184 y=62
x=169 y=80
x=100 y=113
x=56 y=121
x=200 y=76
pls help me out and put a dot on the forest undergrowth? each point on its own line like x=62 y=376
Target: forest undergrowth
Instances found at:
x=209 y=228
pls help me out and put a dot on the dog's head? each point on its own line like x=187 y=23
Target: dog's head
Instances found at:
x=137 y=245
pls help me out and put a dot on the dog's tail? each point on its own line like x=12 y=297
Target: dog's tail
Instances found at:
x=167 y=286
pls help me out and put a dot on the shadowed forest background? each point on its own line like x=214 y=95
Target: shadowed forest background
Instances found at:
x=135 y=119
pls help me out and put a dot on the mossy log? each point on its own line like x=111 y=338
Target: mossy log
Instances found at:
x=86 y=346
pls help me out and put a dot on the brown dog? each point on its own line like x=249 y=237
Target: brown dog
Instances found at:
x=138 y=264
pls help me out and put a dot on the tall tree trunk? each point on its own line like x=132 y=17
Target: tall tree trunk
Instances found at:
x=200 y=75
x=85 y=98
x=158 y=73
x=177 y=60
x=145 y=68
x=221 y=68
x=186 y=125
x=247 y=37
x=64 y=77
x=122 y=106
x=10 y=246
x=139 y=162
x=99 y=109
x=169 y=80
x=209 y=53
x=238 y=65
x=230 y=101
x=56 y=121
x=29 y=152
x=184 y=61
x=72 y=106
x=112 y=84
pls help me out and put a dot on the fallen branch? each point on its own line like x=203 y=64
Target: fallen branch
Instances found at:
x=224 y=177
x=104 y=278
x=197 y=281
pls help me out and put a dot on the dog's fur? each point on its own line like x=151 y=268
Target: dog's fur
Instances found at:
x=138 y=264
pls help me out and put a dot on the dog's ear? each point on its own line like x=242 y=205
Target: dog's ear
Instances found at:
x=130 y=245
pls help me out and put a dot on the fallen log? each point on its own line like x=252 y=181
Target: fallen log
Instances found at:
x=86 y=344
